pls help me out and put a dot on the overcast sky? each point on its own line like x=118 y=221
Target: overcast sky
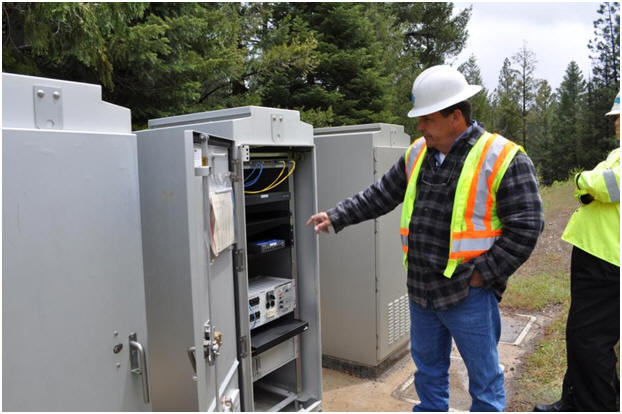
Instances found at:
x=556 y=32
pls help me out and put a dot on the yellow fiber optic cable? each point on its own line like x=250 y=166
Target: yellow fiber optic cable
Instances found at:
x=278 y=180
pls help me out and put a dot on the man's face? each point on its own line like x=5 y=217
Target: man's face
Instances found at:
x=437 y=130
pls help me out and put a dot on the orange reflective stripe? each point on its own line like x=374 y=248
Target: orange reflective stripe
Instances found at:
x=475 y=234
x=415 y=163
x=495 y=170
x=403 y=231
x=467 y=255
x=405 y=248
x=468 y=216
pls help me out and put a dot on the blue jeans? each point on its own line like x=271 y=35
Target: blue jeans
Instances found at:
x=475 y=325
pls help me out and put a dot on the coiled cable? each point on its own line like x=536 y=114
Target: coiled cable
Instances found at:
x=278 y=180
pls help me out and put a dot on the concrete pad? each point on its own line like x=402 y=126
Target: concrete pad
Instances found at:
x=394 y=390
x=459 y=398
x=515 y=327
x=345 y=392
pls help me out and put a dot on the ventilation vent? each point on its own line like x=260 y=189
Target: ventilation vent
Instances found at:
x=398 y=319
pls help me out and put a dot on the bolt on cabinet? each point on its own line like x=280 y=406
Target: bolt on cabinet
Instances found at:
x=74 y=334
x=365 y=317
x=231 y=271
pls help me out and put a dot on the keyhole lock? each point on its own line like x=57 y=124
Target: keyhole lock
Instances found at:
x=117 y=348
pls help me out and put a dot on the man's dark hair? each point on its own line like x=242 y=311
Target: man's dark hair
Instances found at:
x=464 y=107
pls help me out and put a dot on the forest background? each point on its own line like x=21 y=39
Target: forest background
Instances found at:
x=337 y=63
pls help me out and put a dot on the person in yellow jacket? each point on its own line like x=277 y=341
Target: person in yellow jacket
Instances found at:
x=593 y=328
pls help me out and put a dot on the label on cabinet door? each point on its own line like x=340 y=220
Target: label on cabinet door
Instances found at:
x=221 y=220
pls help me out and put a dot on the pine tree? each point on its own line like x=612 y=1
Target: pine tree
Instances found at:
x=349 y=82
x=158 y=59
x=431 y=35
x=540 y=125
x=605 y=47
x=565 y=145
x=479 y=102
x=337 y=63
x=507 y=112
x=525 y=59
x=604 y=84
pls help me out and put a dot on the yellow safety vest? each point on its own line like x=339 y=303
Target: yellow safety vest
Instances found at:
x=474 y=222
x=595 y=227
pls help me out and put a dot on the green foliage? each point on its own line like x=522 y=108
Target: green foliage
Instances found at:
x=565 y=129
x=158 y=59
x=604 y=84
x=319 y=118
x=430 y=35
x=540 y=124
x=506 y=108
x=526 y=85
x=537 y=292
x=347 y=74
x=605 y=47
x=338 y=63
x=65 y=40
x=480 y=104
x=542 y=374
x=563 y=148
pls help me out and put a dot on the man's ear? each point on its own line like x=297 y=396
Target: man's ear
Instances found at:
x=456 y=115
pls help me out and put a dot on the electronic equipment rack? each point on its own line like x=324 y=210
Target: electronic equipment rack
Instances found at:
x=231 y=270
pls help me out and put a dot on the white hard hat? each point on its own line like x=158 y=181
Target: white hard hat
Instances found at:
x=615 y=109
x=437 y=88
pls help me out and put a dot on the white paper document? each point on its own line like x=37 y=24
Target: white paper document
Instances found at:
x=221 y=217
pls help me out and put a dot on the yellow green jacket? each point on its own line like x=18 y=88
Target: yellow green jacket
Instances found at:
x=595 y=227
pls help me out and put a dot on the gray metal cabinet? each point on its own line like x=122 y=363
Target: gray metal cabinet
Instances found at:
x=73 y=306
x=273 y=364
x=365 y=320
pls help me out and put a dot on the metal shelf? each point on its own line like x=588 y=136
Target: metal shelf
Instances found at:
x=263 y=198
x=281 y=330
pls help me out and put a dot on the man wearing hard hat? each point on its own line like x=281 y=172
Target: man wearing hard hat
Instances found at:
x=471 y=216
x=593 y=326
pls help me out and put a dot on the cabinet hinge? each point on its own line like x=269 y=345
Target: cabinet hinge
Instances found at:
x=236 y=174
x=243 y=346
x=238 y=259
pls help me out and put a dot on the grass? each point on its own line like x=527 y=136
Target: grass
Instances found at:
x=541 y=376
x=544 y=280
x=542 y=284
x=557 y=196
x=537 y=292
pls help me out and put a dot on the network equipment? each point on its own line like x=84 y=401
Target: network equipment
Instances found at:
x=269 y=298
x=264 y=246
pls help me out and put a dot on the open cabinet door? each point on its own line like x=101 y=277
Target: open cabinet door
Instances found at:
x=188 y=210
x=214 y=290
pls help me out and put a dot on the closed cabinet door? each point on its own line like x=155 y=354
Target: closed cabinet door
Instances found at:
x=73 y=304
x=392 y=311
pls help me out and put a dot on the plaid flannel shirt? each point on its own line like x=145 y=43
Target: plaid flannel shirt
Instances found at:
x=519 y=208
